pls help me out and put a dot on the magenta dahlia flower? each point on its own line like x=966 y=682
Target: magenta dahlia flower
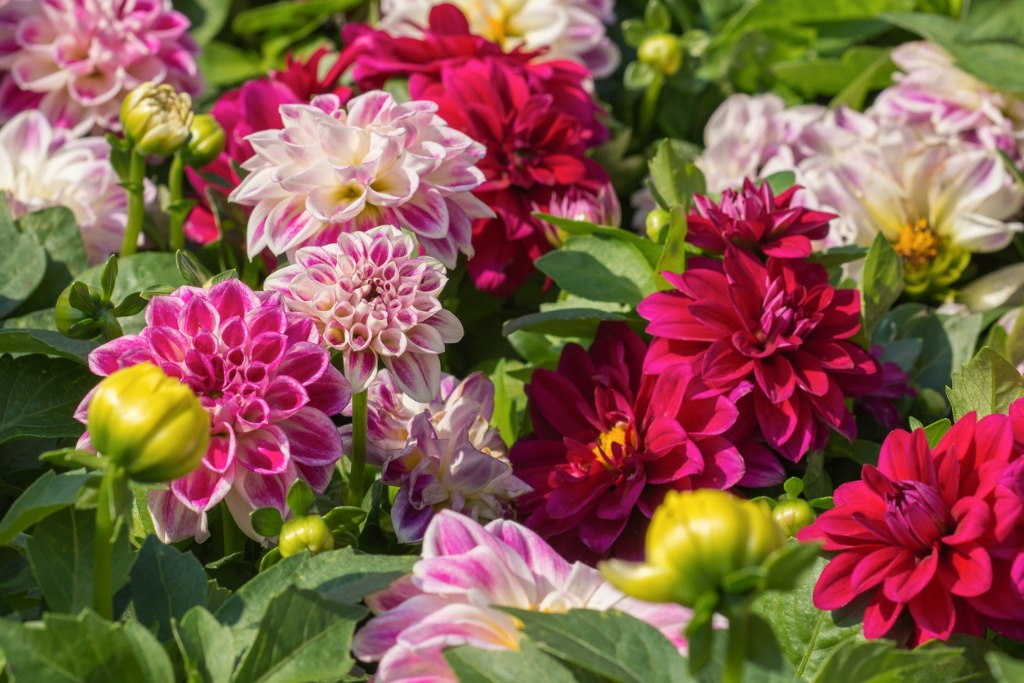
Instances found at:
x=777 y=334
x=754 y=218
x=932 y=538
x=372 y=297
x=75 y=60
x=331 y=171
x=466 y=572
x=269 y=388
x=606 y=448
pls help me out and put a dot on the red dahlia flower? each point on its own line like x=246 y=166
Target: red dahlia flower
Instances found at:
x=537 y=121
x=776 y=334
x=606 y=447
x=756 y=219
x=932 y=536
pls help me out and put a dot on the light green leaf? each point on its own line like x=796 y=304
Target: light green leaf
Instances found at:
x=473 y=665
x=599 y=269
x=206 y=646
x=988 y=384
x=1005 y=669
x=674 y=177
x=881 y=282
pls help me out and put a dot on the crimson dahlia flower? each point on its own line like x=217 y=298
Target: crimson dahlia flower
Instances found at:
x=777 y=334
x=932 y=537
x=606 y=448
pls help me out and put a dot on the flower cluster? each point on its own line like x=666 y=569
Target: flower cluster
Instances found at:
x=466 y=572
x=536 y=121
x=332 y=170
x=75 y=60
x=933 y=538
x=267 y=385
x=371 y=297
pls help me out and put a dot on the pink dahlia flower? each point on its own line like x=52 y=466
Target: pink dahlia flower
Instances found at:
x=371 y=297
x=75 y=60
x=269 y=388
x=606 y=448
x=932 y=538
x=467 y=570
x=249 y=109
x=777 y=334
x=331 y=171
x=756 y=219
x=42 y=167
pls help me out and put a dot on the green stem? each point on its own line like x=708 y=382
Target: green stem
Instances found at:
x=355 y=481
x=174 y=183
x=103 y=546
x=649 y=105
x=234 y=541
x=374 y=12
x=736 y=649
x=136 y=204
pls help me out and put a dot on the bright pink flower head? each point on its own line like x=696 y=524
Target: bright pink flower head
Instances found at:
x=932 y=537
x=372 y=297
x=75 y=60
x=467 y=570
x=606 y=449
x=269 y=388
x=777 y=334
x=756 y=219
x=333 y=170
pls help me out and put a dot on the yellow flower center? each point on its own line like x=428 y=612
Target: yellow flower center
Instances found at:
x=604 y=451
x=918 y=245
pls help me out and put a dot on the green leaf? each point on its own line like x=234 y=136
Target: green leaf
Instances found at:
x=806 y=635
x=166 y=583
x=563 y=322
x=599 y=269
x=85 y=648
x=988 y=384
x=47 y=343
x=206 y=16
x=138 y=273
x=474 y=665
x=22 y=264
x=61 y=554
x=650 y=250
x=284 y=16
x=223 y=64
x=302 y=637
x=206 y=647
x=509 y=400
x=881 y=282
x=936 y=430
x=787 y=566
x=341 y=576
x=56 y=231
x=610 y=644
x=1005 y=669
x=266 y=521
x=673 y=259
x=38 y=396
x=874 y=76
x=47 y=494
x=300 y=498
x=825 y=76
x=674 y=178
x=880 y=661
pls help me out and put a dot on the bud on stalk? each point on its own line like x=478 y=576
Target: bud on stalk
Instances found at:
x=156 y=119
x=305 y=533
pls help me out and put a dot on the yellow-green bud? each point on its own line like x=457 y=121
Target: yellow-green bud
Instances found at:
x=156 y=119
x=205 y=141
x=793 y=515
x=67 y=316
x=656 y=222
x=695 y=540
x=305 y=533
x=663 y=52
x=148 y=423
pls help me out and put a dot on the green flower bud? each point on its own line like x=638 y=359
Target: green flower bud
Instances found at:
x=148 y=423
x=74 y=322
x=657 y=221
x=205 y=141
x=793 y=515
x=663 y=52
x=695 y=540
x=156 y=119
x=305 y=533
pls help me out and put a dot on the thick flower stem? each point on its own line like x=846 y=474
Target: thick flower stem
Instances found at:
x=103 y=546
x=355 y=480
x=136 y=204
x=649 y=106
x=174 y=182
x=234 y=540
x=736 y=649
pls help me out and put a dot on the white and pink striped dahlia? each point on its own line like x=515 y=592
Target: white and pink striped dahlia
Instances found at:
x=75 y=60
x=332 y=170
x=42 y=167
x=269 y=388
x=372 y=297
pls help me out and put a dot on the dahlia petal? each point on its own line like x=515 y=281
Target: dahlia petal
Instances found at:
x=416 y=374
x=833 y=589
x=264 y=451
x=312 y=438
x=880 y=615
x=910 y=581
x=933 y=610
x=973 y=570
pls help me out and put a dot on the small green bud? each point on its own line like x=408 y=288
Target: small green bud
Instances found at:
x=148 y=423
x=793 y=515
x=657 y=221
x=75 y=322
x=663 y=52
x=156 y=119
x=205 y=141
x=305 y=533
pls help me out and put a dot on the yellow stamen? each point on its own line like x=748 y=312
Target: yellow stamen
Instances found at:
x=918 y=245
x=604 y=451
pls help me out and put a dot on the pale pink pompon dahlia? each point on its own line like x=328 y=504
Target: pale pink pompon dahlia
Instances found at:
x=269 y=388
x=75 y=60
x=372 y=297
x=331 y=171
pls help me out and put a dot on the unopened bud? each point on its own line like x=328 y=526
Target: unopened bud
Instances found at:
x=156 y=119
x=305 y=533
x=205 y=141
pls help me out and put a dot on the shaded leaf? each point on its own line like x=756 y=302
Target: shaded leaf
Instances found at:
x=166 y=583
x=38 y=396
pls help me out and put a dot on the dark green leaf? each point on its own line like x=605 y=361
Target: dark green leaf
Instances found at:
x=673 y=260
x=988 y=384
x=299 y=498
x=473 y=665
x=206 y=647
x=880 y=661
x=266 y=521
x=564 y=322
x=22 y=265
x=599 y=269
x=166 y=583
x=38 y=396
x=45 y=342
x=56 y=231
x=650 y=250
x=881 y=282
x=48 y=494
x=191 y=272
